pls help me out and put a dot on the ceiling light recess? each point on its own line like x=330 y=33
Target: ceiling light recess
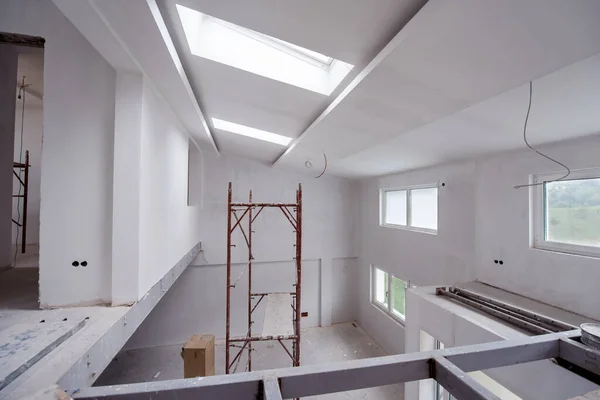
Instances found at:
x=263 y=55
x=251 y=132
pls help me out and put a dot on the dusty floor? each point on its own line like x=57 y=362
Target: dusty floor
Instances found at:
x=19 y=289
x=320 y=345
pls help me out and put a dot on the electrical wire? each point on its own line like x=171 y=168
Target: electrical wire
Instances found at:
x=20 y=96
x=539 y=152
x=324 y=169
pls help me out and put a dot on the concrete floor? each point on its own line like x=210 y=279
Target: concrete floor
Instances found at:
x=338 y=342
x=19 y=289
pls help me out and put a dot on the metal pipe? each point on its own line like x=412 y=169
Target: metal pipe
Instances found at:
x=238 y=220
x=498 y=314
x=264 y=338
x=228 y=288
x=286 y=350
x=25 y=200
x=250 y=257
x=288 y=218
x=298 y=272
x=538 y=317
x=263 y=204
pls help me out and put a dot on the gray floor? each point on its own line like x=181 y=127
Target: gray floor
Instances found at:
x=19 y=289
x=320 y=345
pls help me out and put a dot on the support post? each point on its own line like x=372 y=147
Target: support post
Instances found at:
x=228 y=306
x=250 y=281
x=25 y=201
x=298 y=272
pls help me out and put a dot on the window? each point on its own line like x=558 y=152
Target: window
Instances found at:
x=251 y=132
x=566 y=214
x=413 y=208
x=226 y=43
x=389 y=293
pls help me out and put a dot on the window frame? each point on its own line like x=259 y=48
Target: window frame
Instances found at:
x=389 y=295
x=409 y=189
x=538 y=211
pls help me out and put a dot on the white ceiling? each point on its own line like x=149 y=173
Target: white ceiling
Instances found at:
x=431 y=83
x=328 y=27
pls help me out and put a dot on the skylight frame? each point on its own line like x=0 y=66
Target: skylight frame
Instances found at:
x=250 y=132
x=304 y=54
x=241 y=48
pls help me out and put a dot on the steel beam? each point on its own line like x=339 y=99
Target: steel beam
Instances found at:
x=271 y=389
x=343 y=376
x=579 y=354
x=457 y=382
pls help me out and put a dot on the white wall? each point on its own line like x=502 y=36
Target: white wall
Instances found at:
x=32 y=141
x=169 y=228
x=8 y=73
x=197 y=303
x=423 y=258
x=76 y=183
x=563 y=280
x=481 y=218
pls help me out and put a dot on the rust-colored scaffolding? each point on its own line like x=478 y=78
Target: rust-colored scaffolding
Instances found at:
x=245 y=343
x=25 y=196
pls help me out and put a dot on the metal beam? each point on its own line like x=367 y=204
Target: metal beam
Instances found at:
x=580 y=355
x=457 y=382
x=271 y=389
x=342 y=376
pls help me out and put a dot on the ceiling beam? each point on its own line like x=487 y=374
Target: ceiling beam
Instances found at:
x=164 y=32
x=375 y=62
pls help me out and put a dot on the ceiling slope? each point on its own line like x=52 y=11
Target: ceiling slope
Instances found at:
x=453 y=54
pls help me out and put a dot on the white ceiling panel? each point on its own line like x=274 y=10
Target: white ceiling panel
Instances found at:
x=565 y=105
x=452 y=55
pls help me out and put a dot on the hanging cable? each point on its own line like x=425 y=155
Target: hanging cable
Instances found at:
x=22 y=97
x=539 y=152
x=324 y=168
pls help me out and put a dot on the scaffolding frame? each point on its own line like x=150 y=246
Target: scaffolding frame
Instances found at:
x=245 y=342
x=25 y=195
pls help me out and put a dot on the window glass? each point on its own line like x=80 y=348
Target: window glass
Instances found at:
x=381 y=285
x=424 y=204
x=398 y=296
x=572 y=212
x=395 y=207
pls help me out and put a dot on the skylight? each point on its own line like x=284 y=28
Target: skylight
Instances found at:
x=254 y=52
x=251 y=132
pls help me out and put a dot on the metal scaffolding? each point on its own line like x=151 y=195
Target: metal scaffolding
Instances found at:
x=250 y=211
x=24 y=183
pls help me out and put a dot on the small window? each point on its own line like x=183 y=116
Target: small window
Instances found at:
x=411 y=208
x=567 y=213
x=389 y=293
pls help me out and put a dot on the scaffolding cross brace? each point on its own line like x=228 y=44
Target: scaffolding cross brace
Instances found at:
x=249 y=212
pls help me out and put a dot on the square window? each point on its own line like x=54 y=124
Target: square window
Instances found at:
x=414 y=209
x=567 y=213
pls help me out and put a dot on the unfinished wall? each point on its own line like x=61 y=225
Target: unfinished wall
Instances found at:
x=32 y=141
x=423 y=258
x=169 y=228
x=563 y=280
x=197 y=302
x=76 y=183
x=8 y=73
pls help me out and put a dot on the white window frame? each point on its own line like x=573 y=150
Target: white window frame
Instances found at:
x=408 y=227
x=389 y=295
x=538 y=220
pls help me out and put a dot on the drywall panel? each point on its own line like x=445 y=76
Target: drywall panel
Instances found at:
x=76 y=183
x=502 y=215
x=426 y=259
x=342 y=290
x=32 y=141
x=168 y=227
x=8 y=73
x=197 y=302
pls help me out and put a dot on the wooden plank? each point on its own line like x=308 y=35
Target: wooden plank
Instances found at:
x=25 y=344
x=278 y=315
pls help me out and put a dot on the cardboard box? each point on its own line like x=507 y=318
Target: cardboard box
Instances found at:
x=199 y=356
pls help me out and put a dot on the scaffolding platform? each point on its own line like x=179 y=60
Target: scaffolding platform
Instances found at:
x=282 y=314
